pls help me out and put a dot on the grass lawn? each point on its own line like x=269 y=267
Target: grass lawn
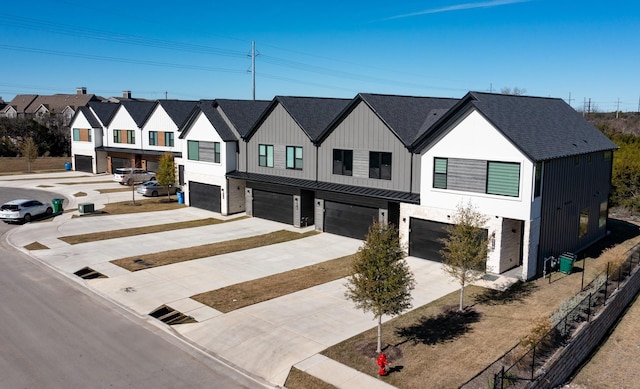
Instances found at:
x=255 y=291
x=163 y=258
x=36 y=246
x=144 y=205
x=434 y=346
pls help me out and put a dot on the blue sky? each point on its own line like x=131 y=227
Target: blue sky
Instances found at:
x=445 y=48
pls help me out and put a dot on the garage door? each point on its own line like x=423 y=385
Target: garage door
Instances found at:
x=83 y=163
x=204 y=196
x=273 y=206
x=348 y=220
x=424 y=239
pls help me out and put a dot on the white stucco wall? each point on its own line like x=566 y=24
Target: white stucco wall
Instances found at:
x=123 y=121
x=85 y=148
x=160 y=121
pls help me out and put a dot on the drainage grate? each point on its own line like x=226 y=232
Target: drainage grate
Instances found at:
x=88 y=273
x=170 y=316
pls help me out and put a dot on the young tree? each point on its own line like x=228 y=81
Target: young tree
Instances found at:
x=29 y=151
x=381 y=281
x=465 y=248
x=166 y=174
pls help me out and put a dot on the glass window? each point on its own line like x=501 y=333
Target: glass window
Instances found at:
x=216 y=152
x=265 y=155
x=76 y=134
x=294 y=157
x=153 y=138
x=503 y=178
x=538 y=183
x=168 y=139
x=584 y=223
x=440 y=173
x=193 y=150
x=343 y=162
x=131 y=137
x=602 y=220
x=380 y=165
x=116 y=136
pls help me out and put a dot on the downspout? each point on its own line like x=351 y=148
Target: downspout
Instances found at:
x=411 y=175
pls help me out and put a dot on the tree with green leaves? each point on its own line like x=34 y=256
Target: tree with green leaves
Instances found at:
x=29 y=151
x=166 y=174
x=466 y=247
x=381 y=281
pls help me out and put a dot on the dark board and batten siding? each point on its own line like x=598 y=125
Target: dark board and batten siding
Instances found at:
x=567 y=189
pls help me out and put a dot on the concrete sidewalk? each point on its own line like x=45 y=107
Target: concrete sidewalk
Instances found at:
x=265 y=339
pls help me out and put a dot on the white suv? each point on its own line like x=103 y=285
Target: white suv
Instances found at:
x=130 y=176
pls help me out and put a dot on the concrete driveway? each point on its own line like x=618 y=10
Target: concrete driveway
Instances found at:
x=265 y=339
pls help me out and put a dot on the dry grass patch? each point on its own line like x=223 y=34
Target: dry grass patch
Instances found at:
x=123 y=233
x=36 y=246
x=140 y=262
x=146 y=205
x=113 y=190
x=86 y=182
x=79 y=194
x=18 y=165
x=438 y=348
x=252 y=292
x=45 y=186
x=299 y=379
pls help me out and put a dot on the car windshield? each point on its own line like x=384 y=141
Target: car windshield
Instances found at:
x=10 y=207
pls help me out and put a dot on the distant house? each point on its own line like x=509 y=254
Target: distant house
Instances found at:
x=16 y=108
x=534 y=166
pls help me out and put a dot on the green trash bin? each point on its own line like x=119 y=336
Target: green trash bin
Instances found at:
x=57 y=205
x=566 y=263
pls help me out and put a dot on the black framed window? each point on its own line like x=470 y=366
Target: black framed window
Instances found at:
x=440 y=173
x=380 y=165
x=265 y=155
x=294 y=157
x=343 y=162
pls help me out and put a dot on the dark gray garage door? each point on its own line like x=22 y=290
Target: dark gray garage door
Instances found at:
x=424 y=239
x=348 y=220
x=84 y=163
x=273 y=206
x=204 y=196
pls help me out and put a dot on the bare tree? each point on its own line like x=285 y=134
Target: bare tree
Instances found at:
x=516 y=91
x=29 y=151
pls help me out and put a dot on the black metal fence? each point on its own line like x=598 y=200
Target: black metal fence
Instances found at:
x=518 y=367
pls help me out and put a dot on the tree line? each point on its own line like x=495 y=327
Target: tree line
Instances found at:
x=51 y=141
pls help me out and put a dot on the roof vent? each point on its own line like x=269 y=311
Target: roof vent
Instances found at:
x=126 y=94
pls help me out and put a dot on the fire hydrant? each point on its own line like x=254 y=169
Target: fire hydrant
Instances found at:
x=383 y=364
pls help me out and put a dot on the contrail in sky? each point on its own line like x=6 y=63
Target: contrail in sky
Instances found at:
x=485 y=4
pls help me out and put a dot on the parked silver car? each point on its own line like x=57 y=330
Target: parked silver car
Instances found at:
x=23 y=210
x=153 y=188
x=130 y=176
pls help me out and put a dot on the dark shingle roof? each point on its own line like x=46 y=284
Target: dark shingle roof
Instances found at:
x=91 y=118
x=242 y=113
x=105 y=111
x=218 y=122
x=542 y=128
x=406 y=116
x=139 y=110
x=178 y=110
x=312 y=114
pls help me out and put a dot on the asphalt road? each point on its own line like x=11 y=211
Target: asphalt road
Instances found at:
x=54 y=333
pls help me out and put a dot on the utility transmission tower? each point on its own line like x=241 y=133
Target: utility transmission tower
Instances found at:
x=253 y=69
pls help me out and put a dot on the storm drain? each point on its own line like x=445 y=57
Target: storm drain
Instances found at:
x=88 y=273
x=170 y=316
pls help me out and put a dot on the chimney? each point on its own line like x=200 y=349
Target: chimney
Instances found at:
x=126 y=94
x=81 y=90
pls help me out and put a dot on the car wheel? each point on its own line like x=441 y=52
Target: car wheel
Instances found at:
x=154 y=193
x=27 y=218
x=49 y=211
x=129 y=182
x=121 y=183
